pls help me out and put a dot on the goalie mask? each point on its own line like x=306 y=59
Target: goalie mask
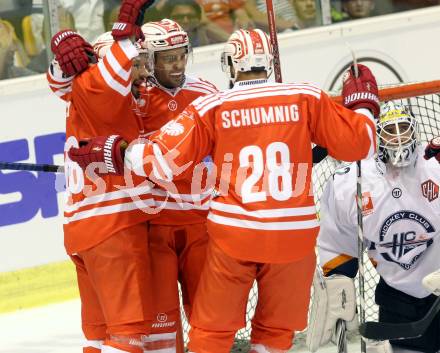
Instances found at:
x=247 y=50
x=166 y=36
x=397 y=132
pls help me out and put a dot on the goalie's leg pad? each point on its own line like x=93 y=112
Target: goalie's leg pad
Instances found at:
x=398 y=307
x=334 y=298
x=378 y=347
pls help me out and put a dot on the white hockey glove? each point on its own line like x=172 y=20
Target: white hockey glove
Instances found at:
x=431 y=282
x=334 y=298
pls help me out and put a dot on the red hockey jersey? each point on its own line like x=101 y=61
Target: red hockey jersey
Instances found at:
x=100 y=103
x=260 y=137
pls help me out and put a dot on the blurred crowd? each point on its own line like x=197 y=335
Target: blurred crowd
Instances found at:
x=24 y=31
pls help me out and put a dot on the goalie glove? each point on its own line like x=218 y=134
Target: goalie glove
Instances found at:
x=433 y=149
x=108 y=150
x=334 y=298
x=130 y=19
x=72 y=52
x=360 y=92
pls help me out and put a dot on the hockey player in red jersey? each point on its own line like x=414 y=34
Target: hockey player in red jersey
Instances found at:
x=262 y=224
x=178 y=237
x=105 y=231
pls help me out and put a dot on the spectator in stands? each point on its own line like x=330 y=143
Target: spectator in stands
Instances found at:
x=284 y=14
x=188 y=14
x=306 y=13
x=356 y=9
x=88 y=16
x=405 y=5
x=9 y=63
x=35 y=41
x=154 y=13
x=381 y=7
x=227 y=14
x=13 y=11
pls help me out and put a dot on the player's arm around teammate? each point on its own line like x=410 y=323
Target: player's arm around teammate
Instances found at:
x=178 y=236
x=105 y=228
x=269 y=235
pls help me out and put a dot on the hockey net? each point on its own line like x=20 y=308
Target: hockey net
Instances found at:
x=423 y=100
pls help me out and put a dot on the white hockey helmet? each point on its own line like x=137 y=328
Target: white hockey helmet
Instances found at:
x=398 y=135
x=103 y=43
x=247 y=50
x=163 y=35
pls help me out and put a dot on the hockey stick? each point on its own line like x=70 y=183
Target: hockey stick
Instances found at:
x=341 y=336
x=274 y=40
x=360 y=222
x=393 y=331
x=32 y=167
x=319 y=153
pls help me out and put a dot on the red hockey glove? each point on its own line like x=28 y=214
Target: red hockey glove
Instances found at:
x=104 y=149
x=72 y=52
x=360 y=92
x=130 y=19
x=433 y=149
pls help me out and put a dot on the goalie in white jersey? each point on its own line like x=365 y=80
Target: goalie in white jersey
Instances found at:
x=401 y=223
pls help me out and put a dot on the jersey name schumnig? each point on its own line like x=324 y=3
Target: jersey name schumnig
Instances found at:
x=260 y=115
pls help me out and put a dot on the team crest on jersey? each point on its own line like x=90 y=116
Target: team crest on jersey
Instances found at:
x=430 y=190
x=367 y=204
x=403 y=238
x=172 y=105
x=173 y=128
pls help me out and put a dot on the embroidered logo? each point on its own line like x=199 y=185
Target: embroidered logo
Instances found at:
x=430 y=190
x=367 y=204
x=396 y=192
x=172 y=105
x=173 y=128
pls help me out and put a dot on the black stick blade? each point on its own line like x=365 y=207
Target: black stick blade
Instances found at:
x=393 y=331
x=381 y=331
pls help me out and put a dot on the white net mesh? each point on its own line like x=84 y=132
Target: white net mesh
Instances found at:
x=426 y=110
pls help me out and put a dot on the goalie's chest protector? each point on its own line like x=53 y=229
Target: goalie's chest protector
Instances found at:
x=401 y=209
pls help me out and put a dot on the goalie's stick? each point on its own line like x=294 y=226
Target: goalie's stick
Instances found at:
x=32 y=167
x=361 y=280
x=393 y=331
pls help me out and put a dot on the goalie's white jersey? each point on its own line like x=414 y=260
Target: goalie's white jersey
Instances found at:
x=401 y=209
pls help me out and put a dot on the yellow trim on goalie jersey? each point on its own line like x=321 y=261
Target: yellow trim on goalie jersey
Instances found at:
x=37 y=286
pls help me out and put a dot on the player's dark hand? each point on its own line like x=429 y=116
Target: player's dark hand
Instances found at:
x=72 y=52
x=360 y=92
x=130 y=19
x=433 y=149
x=108 y=150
